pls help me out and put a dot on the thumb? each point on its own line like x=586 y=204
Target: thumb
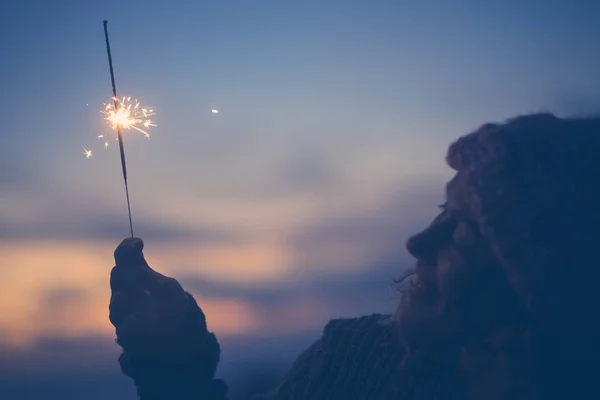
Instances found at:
x=130 y=265
x=129 y=252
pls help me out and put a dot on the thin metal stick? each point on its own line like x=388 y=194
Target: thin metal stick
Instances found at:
x=115 y=99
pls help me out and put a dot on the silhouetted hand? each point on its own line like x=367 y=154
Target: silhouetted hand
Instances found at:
x=166 y=345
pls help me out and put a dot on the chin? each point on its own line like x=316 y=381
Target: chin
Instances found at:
x=420 y=315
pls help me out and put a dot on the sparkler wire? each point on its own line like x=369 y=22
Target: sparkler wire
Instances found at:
x=114 y=88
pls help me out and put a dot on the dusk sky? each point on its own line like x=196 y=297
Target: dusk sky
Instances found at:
x=287 y=208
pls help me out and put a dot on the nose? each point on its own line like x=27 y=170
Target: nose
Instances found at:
x=426 y=244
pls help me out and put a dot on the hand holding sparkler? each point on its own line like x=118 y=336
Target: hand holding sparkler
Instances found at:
x=167 y=348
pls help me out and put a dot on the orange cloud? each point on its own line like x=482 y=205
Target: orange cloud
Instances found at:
x=243 y=263
x=60 y=289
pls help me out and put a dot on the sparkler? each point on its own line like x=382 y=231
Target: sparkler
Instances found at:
x=120 y=118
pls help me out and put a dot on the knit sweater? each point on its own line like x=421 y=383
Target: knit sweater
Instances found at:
x=354 y=359
x=362 y=359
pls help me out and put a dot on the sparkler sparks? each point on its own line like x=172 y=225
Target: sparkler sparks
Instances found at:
x=129 y=114
x=87 y=153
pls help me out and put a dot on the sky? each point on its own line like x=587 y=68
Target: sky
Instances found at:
x=290 y=206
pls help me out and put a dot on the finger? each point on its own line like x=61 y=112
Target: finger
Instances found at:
x=126 y=279
x=119 y=308
x=144 y=291
x=135 y=331
x=139 y=302
x=161 y=285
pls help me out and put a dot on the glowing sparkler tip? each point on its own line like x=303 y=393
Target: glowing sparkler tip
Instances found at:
x=128 y=114
x=125 y=113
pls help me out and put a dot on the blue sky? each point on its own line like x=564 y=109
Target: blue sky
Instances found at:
x=327 y=152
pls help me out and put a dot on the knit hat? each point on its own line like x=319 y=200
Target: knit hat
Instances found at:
x=534 y=191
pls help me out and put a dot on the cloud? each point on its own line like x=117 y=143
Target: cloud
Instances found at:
x=374 y=236
x=303 y=173
x=319 y=299
x=58 y=297
x=101 y=225
x=33 y=209
x=341 y=285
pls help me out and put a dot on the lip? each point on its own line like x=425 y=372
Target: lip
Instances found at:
x=424 y=284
